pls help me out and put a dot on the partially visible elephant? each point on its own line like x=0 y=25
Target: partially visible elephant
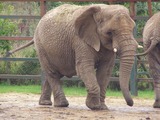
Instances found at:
x=83 y=40
x=151 y=42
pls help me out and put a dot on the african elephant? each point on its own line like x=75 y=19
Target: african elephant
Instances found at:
x=151 y=42
x=83 y=41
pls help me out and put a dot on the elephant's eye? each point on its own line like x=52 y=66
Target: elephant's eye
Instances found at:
x=109 y=33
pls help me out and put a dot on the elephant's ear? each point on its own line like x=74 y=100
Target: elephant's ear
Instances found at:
x=86 y=28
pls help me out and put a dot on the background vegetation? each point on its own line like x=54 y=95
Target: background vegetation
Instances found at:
x=26 y=27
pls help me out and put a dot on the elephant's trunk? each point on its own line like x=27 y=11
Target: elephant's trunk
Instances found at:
x=126 y=63
x=127 y=56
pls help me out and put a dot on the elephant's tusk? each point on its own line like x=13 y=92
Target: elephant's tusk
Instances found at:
x=140 y=46
x=115 y=50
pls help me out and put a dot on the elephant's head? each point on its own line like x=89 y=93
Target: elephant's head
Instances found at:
x=111 y=27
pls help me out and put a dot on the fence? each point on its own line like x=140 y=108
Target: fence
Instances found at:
x=39 y=75
x=138 y=63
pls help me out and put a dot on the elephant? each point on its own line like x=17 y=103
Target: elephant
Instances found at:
x=84 y=41
x=151 y=43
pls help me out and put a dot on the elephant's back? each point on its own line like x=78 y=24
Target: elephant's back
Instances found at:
x=56 y=29
x=62 y=13
x=152 y=23
x=152 y=29
x=58 y=24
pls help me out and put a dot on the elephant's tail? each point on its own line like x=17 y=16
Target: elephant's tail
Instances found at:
x=153 y=44
x=19 y=48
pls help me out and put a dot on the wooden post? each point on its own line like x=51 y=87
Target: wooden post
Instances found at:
x=132 y=10
x=150 y=7
x=133 y=79
x=43 y=7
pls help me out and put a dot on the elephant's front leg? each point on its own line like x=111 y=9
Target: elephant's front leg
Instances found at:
x=104 y=72
x=154 y=64
x=86 y=72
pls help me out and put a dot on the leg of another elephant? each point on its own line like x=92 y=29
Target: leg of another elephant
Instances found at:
x=45 y=98
x=104 y=72
x=87 y=74
x=59 y=96
x=154 y=64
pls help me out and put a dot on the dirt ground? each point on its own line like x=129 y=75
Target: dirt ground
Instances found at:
x=15 y=106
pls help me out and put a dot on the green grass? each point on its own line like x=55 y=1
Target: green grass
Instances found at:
x=147 y=94
x=69 y=91
x=35 y=89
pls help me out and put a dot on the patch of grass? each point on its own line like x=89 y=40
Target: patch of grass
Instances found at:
x=113 y=93
x=75 y=91
x=146 y=94
x=70 y=91
x=35 y=89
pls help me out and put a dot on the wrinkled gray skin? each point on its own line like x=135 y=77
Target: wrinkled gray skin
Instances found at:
x=151 y=42
x=80 y=40
x=74 y=40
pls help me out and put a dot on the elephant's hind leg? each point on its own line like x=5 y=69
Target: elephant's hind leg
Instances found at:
x=59 y=96
x=53 y=84
x=53 y=78
x=45 y=98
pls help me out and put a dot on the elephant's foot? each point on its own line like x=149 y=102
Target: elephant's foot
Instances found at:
x=93 y=102
x=45 y=100
x=103 y=107
x=60 y=102
x=156 y=104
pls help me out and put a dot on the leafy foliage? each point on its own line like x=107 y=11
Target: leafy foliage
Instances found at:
x=7 y=28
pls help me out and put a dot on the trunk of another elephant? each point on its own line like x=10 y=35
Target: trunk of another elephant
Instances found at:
x=127 y=54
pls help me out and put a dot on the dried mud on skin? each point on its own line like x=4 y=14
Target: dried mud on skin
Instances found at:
x=15 y=106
